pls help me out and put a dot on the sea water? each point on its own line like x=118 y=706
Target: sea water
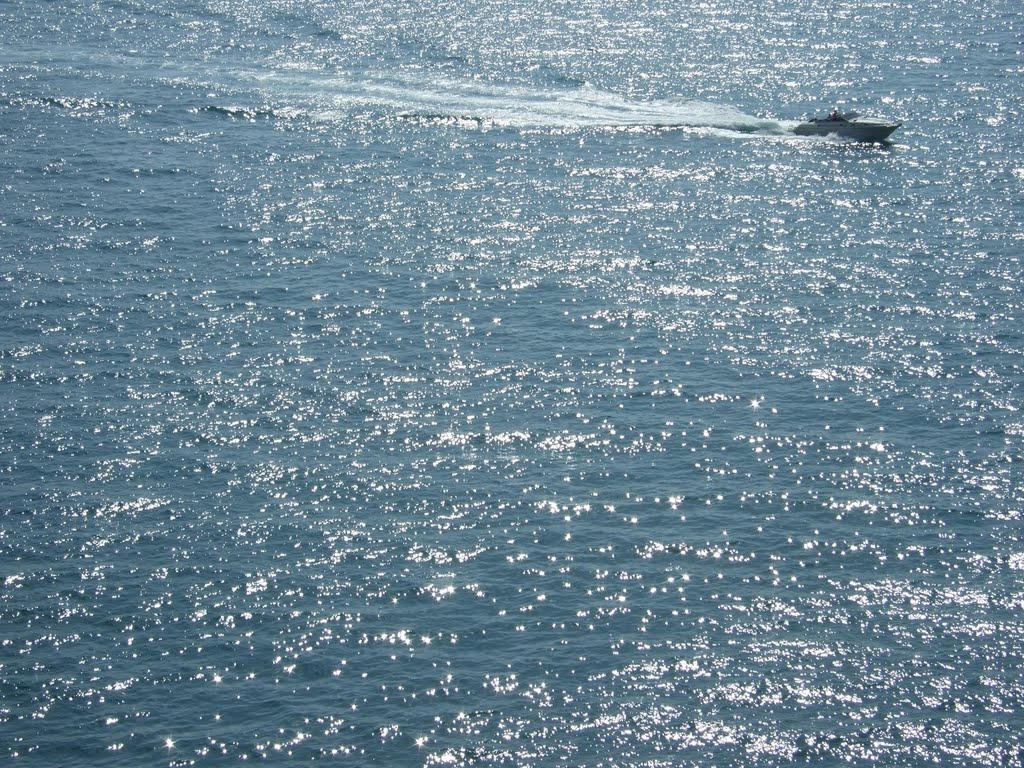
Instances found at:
x=504 y=384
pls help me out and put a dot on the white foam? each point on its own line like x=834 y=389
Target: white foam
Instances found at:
x=428 y=95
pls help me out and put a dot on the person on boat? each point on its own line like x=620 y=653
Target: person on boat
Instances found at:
x=835 y=115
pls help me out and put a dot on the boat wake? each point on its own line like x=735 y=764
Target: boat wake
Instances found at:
x=471 y=104
x=578 y=107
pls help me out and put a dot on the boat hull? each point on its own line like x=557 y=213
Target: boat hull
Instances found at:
x=857 y=129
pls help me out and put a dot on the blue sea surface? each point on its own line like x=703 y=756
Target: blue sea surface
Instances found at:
x=505 y=384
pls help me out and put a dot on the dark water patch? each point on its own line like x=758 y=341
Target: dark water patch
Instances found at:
x=251 y=114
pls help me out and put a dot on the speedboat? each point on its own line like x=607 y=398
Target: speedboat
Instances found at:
x=849 y=126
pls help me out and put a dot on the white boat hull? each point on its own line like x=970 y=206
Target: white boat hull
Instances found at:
x=858 y=128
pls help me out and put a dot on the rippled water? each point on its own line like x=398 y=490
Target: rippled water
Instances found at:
x=503 y=384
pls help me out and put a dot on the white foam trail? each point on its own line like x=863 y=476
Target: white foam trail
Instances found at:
x=415 y=95
x=569 y=108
